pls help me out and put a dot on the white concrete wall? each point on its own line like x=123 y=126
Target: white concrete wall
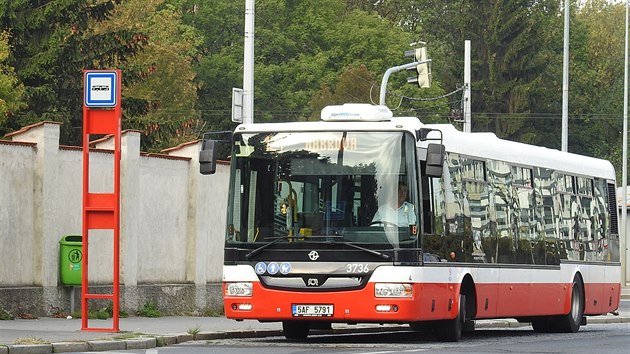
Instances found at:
x=163 y=240
x=172 y=217
x=17 y=234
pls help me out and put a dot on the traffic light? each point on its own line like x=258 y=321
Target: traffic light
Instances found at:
x=423 y=79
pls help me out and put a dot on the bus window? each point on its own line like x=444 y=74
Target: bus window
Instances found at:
x=476 y=206
x=546 y=249
x=524 y=214
x=499 y=176
x=585 y=237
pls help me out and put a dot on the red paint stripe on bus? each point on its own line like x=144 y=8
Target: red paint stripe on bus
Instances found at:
x=430 y=302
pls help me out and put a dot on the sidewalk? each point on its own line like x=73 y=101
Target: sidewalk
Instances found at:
x=63 y=335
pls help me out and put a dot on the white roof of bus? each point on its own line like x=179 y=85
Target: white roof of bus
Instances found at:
x=406 y=123
x=485 y=145
x=490 y=146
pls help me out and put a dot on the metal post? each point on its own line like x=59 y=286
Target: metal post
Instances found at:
x=248 y=64
x=624 y=173
x=565 y=80
x=101 y=211
x=392 y=70
x=467 y=88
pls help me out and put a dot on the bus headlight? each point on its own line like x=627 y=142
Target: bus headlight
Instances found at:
x=238 y=289
x=392 y=290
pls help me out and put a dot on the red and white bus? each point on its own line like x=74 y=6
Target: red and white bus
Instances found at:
x=367 y=218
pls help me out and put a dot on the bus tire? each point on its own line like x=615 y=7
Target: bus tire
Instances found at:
x=570 y=323
x=451 y=330
x=426 y=326
x=469 y=326
x=542 y=325
x=295 y=330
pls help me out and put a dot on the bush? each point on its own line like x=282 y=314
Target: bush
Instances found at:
x=4 y=315
x=149 y=310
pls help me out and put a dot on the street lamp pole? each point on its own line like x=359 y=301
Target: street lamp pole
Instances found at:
x=565 y=80
x=248 y=63
x=624 y=172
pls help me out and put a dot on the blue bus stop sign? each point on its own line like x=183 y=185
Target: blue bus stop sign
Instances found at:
x=100 y=89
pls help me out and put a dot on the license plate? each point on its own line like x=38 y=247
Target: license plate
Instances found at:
x=312 y=310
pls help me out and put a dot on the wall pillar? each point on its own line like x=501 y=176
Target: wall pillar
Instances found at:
x=130 y=214
x=46 y=211
x=197 y=226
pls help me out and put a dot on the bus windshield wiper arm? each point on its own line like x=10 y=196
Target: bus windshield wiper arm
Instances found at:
x=262 y=248
x=376 y=253
x=278 y=239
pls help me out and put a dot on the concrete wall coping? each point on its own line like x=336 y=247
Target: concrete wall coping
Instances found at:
x=29 y=127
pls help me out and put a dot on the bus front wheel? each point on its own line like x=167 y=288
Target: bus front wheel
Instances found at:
x=451 y=330
x=295 y=330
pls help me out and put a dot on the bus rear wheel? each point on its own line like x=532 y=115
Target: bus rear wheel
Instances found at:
x=295 y=330
x=451 y=330
x=570 y=323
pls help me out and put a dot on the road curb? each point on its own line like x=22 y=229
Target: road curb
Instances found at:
x=104 y=345
x=30 y=349
x=602 y=320
x=65 y=347
x=141 y=343
x=165 y=340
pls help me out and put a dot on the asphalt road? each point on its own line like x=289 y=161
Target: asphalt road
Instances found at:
x=594 y=338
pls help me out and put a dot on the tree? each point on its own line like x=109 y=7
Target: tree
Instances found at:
x=596 y=81
x=161 y=104
x=301 y=48
x=11 y=90
x=354 y=85
x=508 y=52
x=509 y=65
x=219 y=64
x=51 y=45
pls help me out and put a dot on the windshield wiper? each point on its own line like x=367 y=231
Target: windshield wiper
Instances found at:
x=330 y=239
x=376 y=253
x=268 y=244
x=278 y=239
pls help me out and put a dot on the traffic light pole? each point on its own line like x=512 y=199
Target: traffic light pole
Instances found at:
x=396 y=69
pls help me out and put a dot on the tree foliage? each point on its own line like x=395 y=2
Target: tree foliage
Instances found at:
x=596 y=81
x=181 y=59
x=161 y=102
x=301 y=48
x=52 y=43
x=11 y=90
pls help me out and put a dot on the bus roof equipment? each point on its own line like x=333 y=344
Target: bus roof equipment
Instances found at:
x=356 y=112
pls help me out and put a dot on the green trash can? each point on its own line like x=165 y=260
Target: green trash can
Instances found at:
x=70 y=257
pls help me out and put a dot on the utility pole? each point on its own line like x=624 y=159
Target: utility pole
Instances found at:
x=467 y=103
x=248 y=64
x=623 y=241
x=565 y=80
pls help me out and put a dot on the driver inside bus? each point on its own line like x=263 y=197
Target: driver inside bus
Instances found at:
x=402 y=214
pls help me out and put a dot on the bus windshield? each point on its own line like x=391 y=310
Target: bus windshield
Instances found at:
x=349 y=186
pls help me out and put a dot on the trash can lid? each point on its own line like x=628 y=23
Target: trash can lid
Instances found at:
x=71 y=239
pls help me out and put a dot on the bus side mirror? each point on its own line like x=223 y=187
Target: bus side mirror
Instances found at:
x=208 y=158
x=435 y=160
x=423 y=134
